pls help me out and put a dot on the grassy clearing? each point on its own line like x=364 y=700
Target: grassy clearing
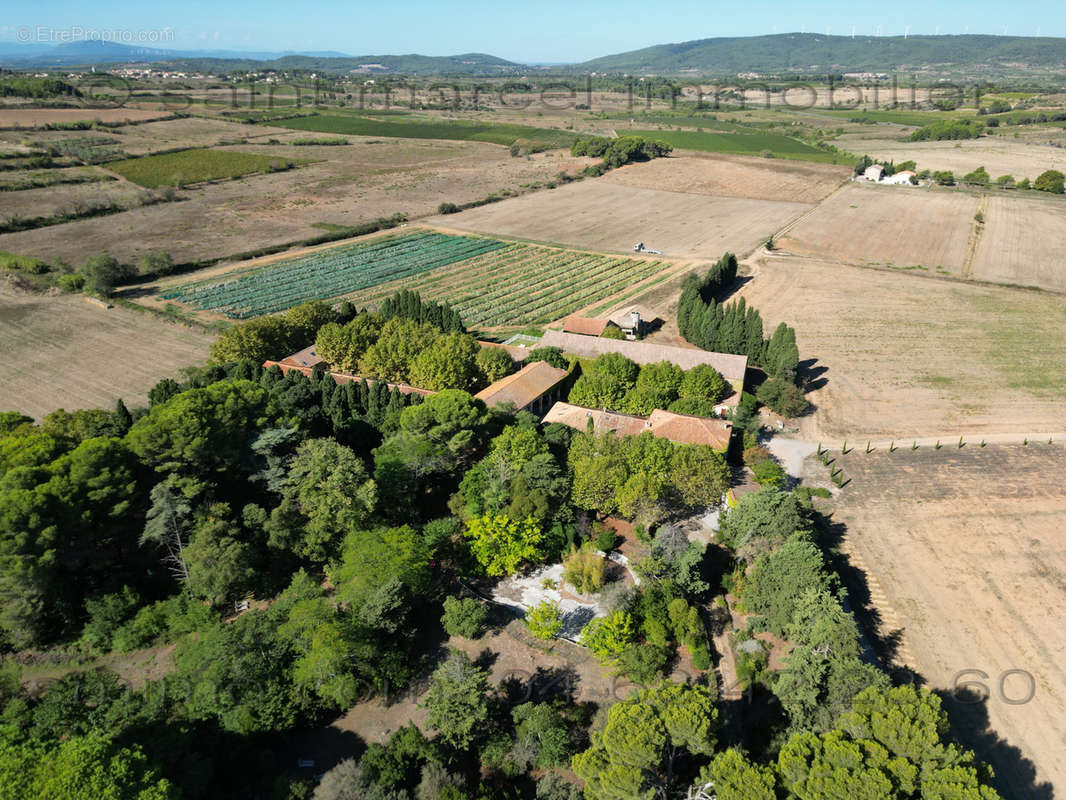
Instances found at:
x=424 y=129
x=746 y=144
x=195 y=166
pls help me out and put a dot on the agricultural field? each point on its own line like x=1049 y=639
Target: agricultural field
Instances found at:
x=733 y=176
x=897 y=226
x=1000 y=154
x=1022 y=241
x=368 y=179
x=329 y=272
x=751 y=144
x=609 y=217
x=62 y=351
x=962 y=551
x=491 y=282
x=39 y=117
x=351 y=124
x=193 y=166
x=525 y=284
x=69 y=199
x=170 y=134
x=896 y=355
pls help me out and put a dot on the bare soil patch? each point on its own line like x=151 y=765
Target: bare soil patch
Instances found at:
x=963 y=558
x=609 y=217
x=902 y=226
x=734 y=176
x=896 y=355
x=63 y=352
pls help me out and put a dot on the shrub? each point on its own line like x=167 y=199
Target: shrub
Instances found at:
x=464 y=617
x=157 y=264
x=552 y=355
x=584 y=571
x=768 y=473
x=783 y=397
x=545 y=620
x=944 y=177
x=103 y=273
x=612 y=331
x=74 y=282
x=448 y=208
x=605 y=538
x=1051 y=181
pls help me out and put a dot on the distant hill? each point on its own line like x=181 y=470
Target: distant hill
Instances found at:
x=86 y=53
x=812 y=52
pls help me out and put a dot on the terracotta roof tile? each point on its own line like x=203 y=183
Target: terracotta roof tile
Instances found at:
x=585 y=326
x=523 y=387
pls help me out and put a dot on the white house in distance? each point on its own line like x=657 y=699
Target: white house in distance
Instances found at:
x=874 y=172
x=905 y=178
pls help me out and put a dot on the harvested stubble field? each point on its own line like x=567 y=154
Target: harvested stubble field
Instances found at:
x=610 y=217
x=964 y=558
x=345 y=186
x=63 y=352
x=734 y=176
x=1023 y=241
x=907 y=356
x=900 y=226
x=1000 y=155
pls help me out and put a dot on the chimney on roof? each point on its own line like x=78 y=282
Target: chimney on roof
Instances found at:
x=634 y=319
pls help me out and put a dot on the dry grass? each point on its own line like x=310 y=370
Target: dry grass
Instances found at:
x=963 y=553
x=734 y=176
x=605 y=216
x=1023 y=242
x=908 y=356
x=63 y=352
x=890 y=225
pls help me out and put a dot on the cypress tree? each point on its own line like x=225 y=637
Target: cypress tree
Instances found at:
x=123 y=418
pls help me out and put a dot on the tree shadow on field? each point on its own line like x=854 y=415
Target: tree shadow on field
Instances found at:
x=812 y=374
x=1015 y=776
x=885 y=643
x=737 y=284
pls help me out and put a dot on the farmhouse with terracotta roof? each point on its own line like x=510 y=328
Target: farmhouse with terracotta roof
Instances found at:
x=585 y=326
x=533 y=388
x=679 y=428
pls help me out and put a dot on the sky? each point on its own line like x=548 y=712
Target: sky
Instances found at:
x=540 y=31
